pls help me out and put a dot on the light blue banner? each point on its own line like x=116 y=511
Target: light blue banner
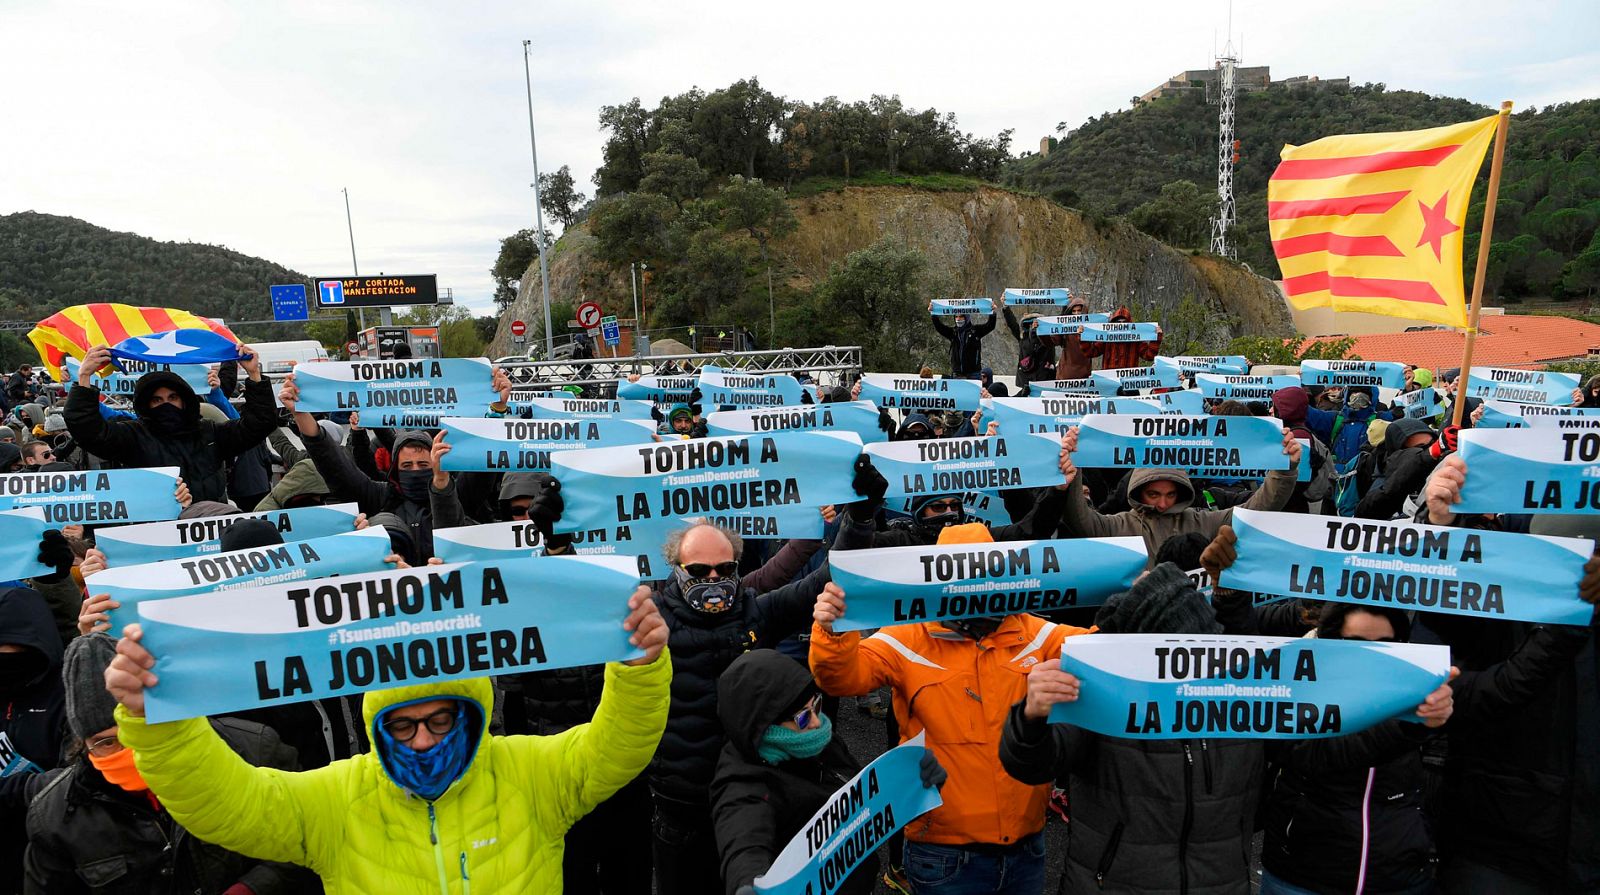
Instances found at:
x=1188 y=401
x=1121 y=332
x=123 y=383
x=886 y=586
x=241 y=649
x=1418 y=405
x=860 y=817
x=1165 y=686
x=734 y=388
x=605 y=487
x=518 y=445
x=499 y=541
x=545 y=406
x=953 y=307
x=341 y=554
x=663 y=390
x=908 y=391
x=1236 y=364
x=1214 y=444
x=1068 y=324
x=1521 y=386
x=985 y=506
x=1084 y=386
x=1139 y=378
x=131 y=545
x=23 y=530
x=1243 y=388
x=1031 y=298
x=1509 y=415
x=1058 y=413
x=98 y=497
x=1347 y=373
x=402 y=394
x=1532 y=470
x=1408 y=566
x=859 y=417
x=958 y=465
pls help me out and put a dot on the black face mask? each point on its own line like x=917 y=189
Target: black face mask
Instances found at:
x=166 y=417
x=414 y=483
x=932 y=525
x=19 y=671
x=709 y=596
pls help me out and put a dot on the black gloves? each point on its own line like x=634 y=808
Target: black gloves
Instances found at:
x=694 y=401
x=55 y=552
x=655 y=414
x=545 y=511
x=885 y=421
x=871 y=485
x=933 y=774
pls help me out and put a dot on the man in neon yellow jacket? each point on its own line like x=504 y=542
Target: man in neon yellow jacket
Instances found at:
x=438 y=805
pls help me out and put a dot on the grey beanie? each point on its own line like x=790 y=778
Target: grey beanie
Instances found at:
x=83 y=673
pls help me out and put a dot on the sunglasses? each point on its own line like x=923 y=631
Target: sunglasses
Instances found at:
x=519 y=510
x=405 y=729
x=943 y=506
x=802 y=718
x=704 y=570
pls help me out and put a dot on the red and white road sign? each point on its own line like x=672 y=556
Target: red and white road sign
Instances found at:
x=351 y=348
x=589 y=315
x=518 y=327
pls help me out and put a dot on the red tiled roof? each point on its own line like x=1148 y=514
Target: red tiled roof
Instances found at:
x=1508 y=340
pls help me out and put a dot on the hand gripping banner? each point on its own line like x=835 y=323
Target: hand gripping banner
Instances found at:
x=1376 y=373
x=908 y=391
x=398 y=394
x=1531 y=470
x=705 y=477
x=952 y=307
x=1236 y=364
x=1404 y=565
x=21 y=531
x=1521 y=386
x=733 y=388
x=665 y=390
x=131 y=545
x=860 y=417
x=542 y=406
x=1033 y=298
x=518 y=445
x=1068 y=324
x=958 y=465
x=1170 y=686
x=886 y=586
x=1209 y=445
x=1243 y=388
x=855 y=821
x=95 y=497
x=241 y=649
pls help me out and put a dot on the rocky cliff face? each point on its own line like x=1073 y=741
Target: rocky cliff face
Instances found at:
x=985 y=241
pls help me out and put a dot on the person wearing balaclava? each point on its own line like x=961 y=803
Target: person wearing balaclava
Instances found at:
x=1410 y=451
x=97 y=827
x=782 y=763
x=168 y=430
x=1036 y=358
x=989 y=828
x=32 y=718
x=966 y=343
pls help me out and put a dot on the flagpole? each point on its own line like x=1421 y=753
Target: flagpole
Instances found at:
x=1490 y=198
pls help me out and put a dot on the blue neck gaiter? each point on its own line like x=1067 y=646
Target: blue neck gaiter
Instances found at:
x=428 y=774
x=780 y=744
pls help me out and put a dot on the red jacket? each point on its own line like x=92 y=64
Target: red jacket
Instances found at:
x=1121 y=355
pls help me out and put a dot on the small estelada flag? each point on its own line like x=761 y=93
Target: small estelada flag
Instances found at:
x=1372 y=222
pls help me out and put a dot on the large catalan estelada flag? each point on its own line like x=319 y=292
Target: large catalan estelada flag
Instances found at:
x=1372 y=222
x=158 y=335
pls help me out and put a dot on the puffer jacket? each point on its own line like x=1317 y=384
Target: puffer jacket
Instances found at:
x=90 y=837
x=498 y=828
x=1121 y=355
x=966 y=345
x=1080 y=520
x=1345 y=432
x=33 y=723
x=200 y=448
x=958 y=691
x=758 y=807
x=703 y=646
x=1405 y=471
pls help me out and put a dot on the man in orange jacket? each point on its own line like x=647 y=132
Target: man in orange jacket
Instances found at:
x=955 y=680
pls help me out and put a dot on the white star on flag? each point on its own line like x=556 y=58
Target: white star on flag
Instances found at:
x=166 y=345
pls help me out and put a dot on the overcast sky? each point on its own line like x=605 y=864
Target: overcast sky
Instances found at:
x=238 y=123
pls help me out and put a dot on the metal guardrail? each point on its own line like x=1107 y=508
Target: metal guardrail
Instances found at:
x=599 y=370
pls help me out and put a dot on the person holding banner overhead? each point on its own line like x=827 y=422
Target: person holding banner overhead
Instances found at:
x=1122 y=355
x=439 y=803
x=168 y=430
x=1036 y=360
x=966 y=343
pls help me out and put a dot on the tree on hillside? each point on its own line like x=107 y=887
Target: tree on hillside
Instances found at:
x=625 y=149
x=634 y=227
x=517 y=254
x=1179 y=216
x=678 y=177
x=737 y=123
x=558 y=197
x=866 y=301
x=757 y=210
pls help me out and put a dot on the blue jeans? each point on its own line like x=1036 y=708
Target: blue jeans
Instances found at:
x=952 y=870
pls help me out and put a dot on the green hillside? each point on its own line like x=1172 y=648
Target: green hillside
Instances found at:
x=1156 y=164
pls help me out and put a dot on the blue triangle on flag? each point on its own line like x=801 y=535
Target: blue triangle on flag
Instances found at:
x=179 y=346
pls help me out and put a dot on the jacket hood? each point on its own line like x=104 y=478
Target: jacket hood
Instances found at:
x=407 y=438
x=478 y=691
x=1122 y=315
x=32 y=414
x=149 y=382
x=10 y=455
x=1372 y=403
x=754 y=692
x=1290 y=405
x=916 y=419
x=1394 y=437
x=302 y=478
x=522 y=484
x=25 y=620
x=1142 y=477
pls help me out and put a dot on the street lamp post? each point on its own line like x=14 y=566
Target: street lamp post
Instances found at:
x=355 y=270
x=538 y=213
x=633 y=270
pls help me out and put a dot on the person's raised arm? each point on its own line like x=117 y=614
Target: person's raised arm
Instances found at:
x=88 y=427
x=258 y=418
x=335 y=466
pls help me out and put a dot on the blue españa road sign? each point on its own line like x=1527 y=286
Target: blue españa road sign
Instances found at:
x=289 y=302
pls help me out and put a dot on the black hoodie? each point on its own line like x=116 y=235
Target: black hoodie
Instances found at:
x=758 y=807
x=339 y=470
x=33 y=723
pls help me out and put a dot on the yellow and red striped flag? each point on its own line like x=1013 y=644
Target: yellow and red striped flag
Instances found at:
x=1372 y=222
x=73 y=331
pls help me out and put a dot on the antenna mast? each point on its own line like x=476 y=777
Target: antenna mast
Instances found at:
x=1227 y=147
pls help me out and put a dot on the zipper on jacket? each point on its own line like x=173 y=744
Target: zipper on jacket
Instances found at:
x=438 y=853
x=1205 y=762
x=1366 y=829
x=466 y=878
x=1188 y=818
x=1109 y=855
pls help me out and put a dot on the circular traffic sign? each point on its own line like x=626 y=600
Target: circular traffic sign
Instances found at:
x=589 y=315
x=351 y=348
x=518 y=327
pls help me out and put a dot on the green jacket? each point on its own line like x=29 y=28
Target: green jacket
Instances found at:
x=497 y=829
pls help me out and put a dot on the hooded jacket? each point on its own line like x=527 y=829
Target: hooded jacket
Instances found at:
x=1404 y=471
x=966 y=345
x=499 y=826
x=1073 y=363
x=1120 y=355
x=1036 y=359
x=1080 y=520
x=340 y=474
x=1344 y=432
x=301 y=479
x=88 y=836
x=33 y=722
x=199 y=448
x=758 y=807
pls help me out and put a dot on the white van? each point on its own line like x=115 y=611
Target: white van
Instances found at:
x=281 y=357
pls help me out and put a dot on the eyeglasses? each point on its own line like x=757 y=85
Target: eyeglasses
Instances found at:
x=405 y=729
x=704 y=570
x=943 y=506
x=802 y=718
x=105 y=746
